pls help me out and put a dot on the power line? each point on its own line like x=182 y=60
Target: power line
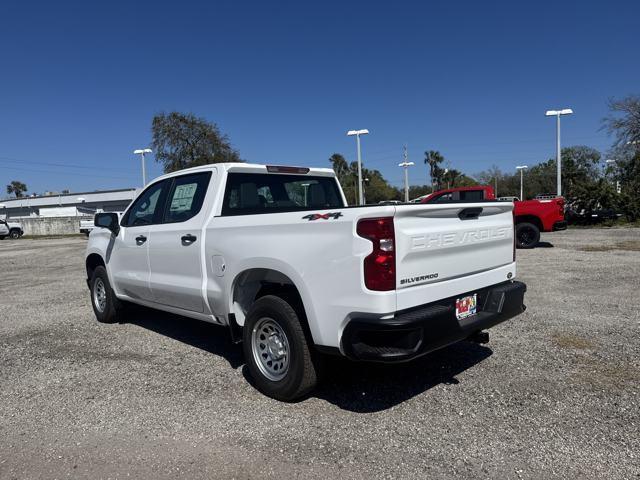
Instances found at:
x=68 y=174
x=49 y=164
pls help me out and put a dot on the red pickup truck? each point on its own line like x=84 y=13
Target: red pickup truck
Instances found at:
x=531 y=216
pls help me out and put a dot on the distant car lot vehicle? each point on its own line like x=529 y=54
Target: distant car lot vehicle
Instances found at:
x=531 y=216
x=587 y=217
x=275 y=254
x=10 y=229
x=509 y=199
x=86 y=226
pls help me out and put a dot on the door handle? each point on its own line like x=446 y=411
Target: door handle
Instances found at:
x=188 y=239
x=470 y=213
x=141 y=239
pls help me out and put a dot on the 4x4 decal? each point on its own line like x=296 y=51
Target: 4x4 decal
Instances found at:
x=324 y=216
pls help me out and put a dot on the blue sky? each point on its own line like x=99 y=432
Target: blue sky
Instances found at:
x=80 y=81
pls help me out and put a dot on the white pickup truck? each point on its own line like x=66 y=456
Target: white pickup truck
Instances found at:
x=275 y=254
x=10 y=229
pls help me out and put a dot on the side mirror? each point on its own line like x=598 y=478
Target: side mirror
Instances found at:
x=108 y=220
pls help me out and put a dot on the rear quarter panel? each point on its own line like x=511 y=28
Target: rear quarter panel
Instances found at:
x=323 y=258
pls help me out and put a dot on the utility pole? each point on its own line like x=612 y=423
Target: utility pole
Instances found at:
x=405 y=164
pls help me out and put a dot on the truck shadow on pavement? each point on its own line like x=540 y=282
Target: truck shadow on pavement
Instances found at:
x=205 y=336
x=354 y=386
x=373 y=387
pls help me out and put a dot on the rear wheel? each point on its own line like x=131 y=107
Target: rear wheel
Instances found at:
x=276 y=350
x=527 y=235
x=14 y=234
x=106 y=306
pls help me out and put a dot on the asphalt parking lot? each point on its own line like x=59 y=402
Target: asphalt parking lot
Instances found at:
x=554 y=394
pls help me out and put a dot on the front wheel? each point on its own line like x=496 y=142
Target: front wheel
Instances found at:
x=276 y=350
x=527 y=235
x=15 y=234
x=106 y=306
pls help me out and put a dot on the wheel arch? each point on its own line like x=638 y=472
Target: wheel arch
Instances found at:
x=92 y=262
x=530 y=219
x=253 y=283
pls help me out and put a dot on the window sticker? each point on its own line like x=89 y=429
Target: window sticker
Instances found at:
x=183 y=197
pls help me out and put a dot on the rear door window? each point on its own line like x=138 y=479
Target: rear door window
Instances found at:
x=186 y=197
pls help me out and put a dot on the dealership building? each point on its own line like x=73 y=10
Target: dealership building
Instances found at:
x=67 y=204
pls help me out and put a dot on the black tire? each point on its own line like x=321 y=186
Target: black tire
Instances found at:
x=112 y=309
x=300 y=376
x=2 y=238
x=14 y=234
x=527 y=235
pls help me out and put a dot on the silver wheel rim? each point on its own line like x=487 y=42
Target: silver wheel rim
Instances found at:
x=270 y=348
x=99 y=295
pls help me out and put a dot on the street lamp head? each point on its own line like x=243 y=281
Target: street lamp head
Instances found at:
x=143 y=150
x=351 y=133
x=553 y=113
x=522 y=167
x=406 y=164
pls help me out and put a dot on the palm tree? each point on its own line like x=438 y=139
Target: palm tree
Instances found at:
x=16 y=187
x=450 y=176
x=433 y=158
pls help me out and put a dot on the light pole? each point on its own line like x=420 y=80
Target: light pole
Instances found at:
x=522 y=168
x=357 y=134
x=558 y=114
x=141 y=152
x=406 y=166
x=611 y=162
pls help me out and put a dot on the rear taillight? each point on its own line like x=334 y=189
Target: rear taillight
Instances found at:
x=380 y=264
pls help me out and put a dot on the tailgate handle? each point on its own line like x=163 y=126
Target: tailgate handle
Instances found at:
x=470 y=213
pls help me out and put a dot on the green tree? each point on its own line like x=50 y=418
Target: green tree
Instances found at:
x=183 y=140
x=434 y=159
x=347 y=176
x=376 y=187
x=17 y=188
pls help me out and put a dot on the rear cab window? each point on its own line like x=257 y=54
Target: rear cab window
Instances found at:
x=258 y=193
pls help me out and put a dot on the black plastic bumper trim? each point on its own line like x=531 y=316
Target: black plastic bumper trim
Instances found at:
x=415 y=332
x=561 y=225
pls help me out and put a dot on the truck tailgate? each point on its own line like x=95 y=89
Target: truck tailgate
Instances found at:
x=436 y=243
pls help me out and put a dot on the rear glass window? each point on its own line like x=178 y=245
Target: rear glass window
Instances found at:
x=256 y=193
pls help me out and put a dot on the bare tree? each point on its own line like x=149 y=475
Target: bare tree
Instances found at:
x=624 y=120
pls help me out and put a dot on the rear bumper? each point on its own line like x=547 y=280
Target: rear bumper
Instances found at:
x=415 y=332
x=561 y=225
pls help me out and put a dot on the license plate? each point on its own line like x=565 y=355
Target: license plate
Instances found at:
x=466 y=306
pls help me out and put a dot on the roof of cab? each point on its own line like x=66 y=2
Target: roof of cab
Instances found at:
x=244 y=167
